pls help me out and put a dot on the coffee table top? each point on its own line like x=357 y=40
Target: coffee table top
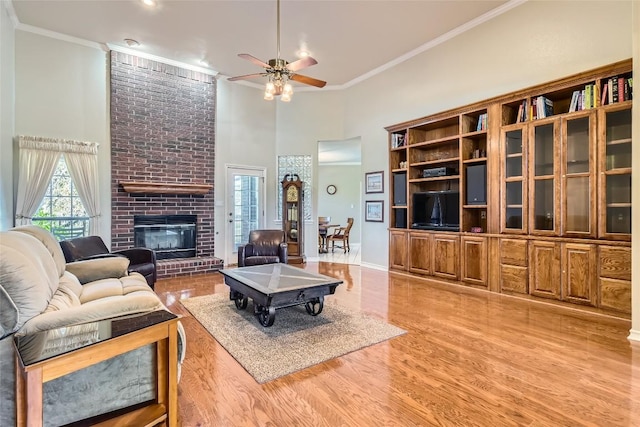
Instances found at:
x=274 y=278
x=44 y=345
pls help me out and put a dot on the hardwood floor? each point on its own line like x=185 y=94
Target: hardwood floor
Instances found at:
x=470 y=358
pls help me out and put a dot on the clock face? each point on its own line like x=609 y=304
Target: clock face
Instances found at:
x=331 y=189
x=292 y=194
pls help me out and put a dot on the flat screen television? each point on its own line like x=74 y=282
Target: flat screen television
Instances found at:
x=436 y=210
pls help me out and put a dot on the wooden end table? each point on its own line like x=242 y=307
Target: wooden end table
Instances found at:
x=45 y=356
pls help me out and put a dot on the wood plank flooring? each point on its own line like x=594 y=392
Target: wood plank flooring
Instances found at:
x=470 y=358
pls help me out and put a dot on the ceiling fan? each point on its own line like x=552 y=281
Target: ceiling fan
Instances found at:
x=280 y=71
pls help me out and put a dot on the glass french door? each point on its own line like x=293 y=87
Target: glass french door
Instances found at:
x=245 y=207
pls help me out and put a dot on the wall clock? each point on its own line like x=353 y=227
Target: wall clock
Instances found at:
x=331 y=189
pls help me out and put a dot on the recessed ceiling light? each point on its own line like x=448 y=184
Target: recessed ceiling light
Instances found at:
x=150 y=3
x=303 y=53
x=132 y=42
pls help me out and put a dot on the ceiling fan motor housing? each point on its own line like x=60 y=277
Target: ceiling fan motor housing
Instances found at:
x=278 y=64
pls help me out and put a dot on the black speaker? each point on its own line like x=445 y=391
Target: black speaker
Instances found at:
x=401 y=218
x=477 y=184
x=400 y=189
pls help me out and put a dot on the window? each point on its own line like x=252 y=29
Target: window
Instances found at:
x=61 y=210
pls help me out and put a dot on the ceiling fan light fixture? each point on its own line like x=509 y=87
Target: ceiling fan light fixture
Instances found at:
x=285 y=97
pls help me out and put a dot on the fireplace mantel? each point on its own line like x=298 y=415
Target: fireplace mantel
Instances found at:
x=164 y=187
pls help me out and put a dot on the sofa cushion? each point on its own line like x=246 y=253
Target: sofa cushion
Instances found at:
x=99 y=268
x=29 y=279
x=49 y=242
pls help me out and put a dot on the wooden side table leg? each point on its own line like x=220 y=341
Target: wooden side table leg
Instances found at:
x=167 y=359
x=28 y=397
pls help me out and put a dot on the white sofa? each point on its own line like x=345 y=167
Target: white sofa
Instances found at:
x=39 y=291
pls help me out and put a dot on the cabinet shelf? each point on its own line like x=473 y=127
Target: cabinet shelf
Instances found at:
x=436 y=178
x=618 y=205
x=621 y=171
x=399 y=170
x=435 y=141
x=435 y=162
x=401 y=148
x=474 y=206
x=619 y=141
x=476 y=160
x=399 y=207
x=474 y=134
x=514 y=206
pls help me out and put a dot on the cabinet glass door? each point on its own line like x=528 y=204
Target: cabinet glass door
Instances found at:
x=543 y=178
x=578 y=174
x=514 y=202
x=617 y=174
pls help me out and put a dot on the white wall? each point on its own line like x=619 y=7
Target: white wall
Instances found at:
x=62 y=92
x=245 y=135
x=347 y=202
x=7 y=116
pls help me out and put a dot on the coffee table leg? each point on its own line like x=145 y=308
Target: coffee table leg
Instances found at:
x=314 y=306
x=266 y=315
x=240 y=300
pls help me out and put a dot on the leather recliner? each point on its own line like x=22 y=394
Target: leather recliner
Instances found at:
x=141 y=260
x=264 y=247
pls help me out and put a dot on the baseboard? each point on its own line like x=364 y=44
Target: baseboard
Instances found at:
x=374 y=266
x=634 y=335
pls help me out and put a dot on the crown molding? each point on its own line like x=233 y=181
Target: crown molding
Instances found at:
x=60 y=36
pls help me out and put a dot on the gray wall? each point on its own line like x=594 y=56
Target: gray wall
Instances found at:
x=347 y=200
x=7 y=117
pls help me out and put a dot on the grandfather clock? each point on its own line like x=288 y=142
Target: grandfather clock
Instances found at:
x=293 y=217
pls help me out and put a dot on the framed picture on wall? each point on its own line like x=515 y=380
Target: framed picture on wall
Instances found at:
x=374 y=182
x=374 y=210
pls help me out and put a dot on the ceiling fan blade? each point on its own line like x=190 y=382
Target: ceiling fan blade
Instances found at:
x=301 y=63
x=308 y=80
x=253 y=59
x=246 y=77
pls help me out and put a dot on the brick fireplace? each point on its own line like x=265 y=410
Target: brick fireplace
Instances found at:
x=163 y=147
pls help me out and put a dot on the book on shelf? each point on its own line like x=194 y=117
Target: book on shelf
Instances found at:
x=397 y=140
x=482 y=122
x=543 y=107
x=617 y=89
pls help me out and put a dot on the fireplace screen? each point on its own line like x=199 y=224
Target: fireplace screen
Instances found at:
x=170 y=236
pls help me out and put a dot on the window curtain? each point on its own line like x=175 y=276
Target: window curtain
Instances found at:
x=38 y=160
x=82 y=163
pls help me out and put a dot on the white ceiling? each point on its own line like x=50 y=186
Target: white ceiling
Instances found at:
x=350 y=39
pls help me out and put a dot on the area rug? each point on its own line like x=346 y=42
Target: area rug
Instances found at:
x=296 y=340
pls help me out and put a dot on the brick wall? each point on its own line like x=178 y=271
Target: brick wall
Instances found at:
x=162 y=130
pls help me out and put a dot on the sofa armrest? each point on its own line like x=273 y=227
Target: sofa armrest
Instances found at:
x=101 y=268
x=138 y=255
x=244 y=252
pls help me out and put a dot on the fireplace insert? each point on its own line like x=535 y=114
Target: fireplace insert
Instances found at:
x=170 y=236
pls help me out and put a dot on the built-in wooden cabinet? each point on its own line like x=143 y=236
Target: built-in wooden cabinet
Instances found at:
x=514 y=271
x=420 y=253
x=398 y=250
x=579 y=273
x=544 y=269
x=552 y=218
x=473 y=260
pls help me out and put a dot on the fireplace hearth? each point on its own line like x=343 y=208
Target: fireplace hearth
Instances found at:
x=170 y=236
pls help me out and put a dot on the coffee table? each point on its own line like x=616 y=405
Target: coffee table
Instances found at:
x=274 y=286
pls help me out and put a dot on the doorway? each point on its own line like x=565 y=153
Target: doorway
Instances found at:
x=340 y=193
x=245 y=206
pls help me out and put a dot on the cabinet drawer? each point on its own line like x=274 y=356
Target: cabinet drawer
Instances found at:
x=514 y=279
x=615 y=262
x=513 y=252
x=615 y=294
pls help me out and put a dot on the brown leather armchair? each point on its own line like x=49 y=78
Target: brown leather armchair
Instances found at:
x=264 y=247
x=141 y=260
